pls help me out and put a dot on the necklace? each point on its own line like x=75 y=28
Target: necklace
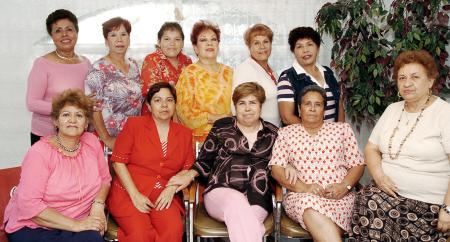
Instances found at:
x=395 y=156
x=63 y=57
x=58 y=141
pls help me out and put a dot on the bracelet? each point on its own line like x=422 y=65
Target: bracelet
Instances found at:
x=99 y=202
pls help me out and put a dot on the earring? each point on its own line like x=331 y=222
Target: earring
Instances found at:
x=398 y=95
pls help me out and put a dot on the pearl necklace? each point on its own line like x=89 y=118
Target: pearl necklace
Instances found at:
x=58 y=141
x=65 y=58
x=395 y=156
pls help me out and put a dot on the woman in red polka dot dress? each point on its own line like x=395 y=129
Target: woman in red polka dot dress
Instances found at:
x=318 y=163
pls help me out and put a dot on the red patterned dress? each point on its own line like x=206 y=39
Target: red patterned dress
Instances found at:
x=323 y=159
x=157 y=68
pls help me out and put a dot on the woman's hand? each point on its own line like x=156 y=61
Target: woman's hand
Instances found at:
x=141 y=202
x=98 y=211
x=291 y=174
x=315 y=189
x=89 y=223
x=109 y=142
x=385 y=184
x=180 y=181
x=443 y=221
x=336 y=191
x=165 y=198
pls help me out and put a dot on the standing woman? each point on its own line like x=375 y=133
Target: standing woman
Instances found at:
x=167 y=62
x=204 y=88
x=114 y=82
x=256 y=68
x=55 y=72
x=305 y=43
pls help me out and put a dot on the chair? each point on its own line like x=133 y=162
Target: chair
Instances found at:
x=9 y=178
x=201 y=224
x=111 y=233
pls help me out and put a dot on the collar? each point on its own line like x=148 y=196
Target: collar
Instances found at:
x=299 y=69
x=262 y=122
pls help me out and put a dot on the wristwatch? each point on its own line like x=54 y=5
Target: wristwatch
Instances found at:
x=347 y=185
x=446 y=208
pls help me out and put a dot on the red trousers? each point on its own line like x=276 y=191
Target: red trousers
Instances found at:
x=156 y=226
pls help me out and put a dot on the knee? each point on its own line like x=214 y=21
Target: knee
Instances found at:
x=172 y=228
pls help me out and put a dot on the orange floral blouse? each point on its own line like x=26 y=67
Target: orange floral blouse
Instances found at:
x=157 y=68
x=201 y=92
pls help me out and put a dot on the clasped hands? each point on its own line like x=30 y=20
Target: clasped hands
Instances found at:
x=164 y=200
x=332 y=191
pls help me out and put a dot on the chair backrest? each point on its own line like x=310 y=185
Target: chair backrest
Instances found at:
x=9 y=178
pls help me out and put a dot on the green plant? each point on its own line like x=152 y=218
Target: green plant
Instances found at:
x=365 y=45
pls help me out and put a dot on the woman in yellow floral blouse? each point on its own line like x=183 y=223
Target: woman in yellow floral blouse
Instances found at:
x=204 y=88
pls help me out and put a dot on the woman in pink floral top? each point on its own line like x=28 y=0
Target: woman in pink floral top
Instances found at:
x=167 y=62
x=114 y=83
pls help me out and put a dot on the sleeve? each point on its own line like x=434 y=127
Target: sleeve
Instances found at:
x=102 y=163
x=94 y=86
x=352 y=155
x=150 y=74
x=124 y=143
x=33 y=183
x=188 y=109
x=207 y=156
x=280 y=151
x=375 y=136
x=36 y=89
x=285 y=91
x=444 y=128
x=189 y=159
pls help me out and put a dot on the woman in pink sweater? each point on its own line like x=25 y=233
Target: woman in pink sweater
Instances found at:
x=55 y=72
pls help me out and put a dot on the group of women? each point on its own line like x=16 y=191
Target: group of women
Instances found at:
x=152 y=118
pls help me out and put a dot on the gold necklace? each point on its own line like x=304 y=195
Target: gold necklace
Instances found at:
x=64 y=57
x=395 y=156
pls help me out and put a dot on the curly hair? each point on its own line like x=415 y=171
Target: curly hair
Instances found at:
x=58 y=15
x=303 y=33
x=421 y=57
x=201 y=26
x=72 y=97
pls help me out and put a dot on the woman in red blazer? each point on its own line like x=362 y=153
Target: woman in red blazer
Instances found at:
x=148 y=152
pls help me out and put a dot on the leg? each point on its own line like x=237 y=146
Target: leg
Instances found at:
x=317 y=223
x=230 y=206
x=168 y=224
x=135 y=228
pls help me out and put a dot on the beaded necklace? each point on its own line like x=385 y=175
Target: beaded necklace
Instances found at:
x=395 y=156
x=58 y=141
x=64 y=57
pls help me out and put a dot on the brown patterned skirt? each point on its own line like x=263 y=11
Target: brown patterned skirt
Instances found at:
x=380 y=217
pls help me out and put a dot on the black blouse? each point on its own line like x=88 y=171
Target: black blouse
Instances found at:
x=226 y=160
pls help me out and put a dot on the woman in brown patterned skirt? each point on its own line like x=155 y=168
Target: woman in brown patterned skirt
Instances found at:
x=408 y=156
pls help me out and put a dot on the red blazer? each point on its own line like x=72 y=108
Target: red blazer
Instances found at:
x=139 y=147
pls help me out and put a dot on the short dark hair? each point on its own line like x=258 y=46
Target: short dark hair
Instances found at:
x=421 y=57
x=170 y=26
x=303 y=33
x=58 y=15
x=157 y=87
x=312 y=88
x=201 y=26
x=115 y=23
x=249 y=88
x=73 y=97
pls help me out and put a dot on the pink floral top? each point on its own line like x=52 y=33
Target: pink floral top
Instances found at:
x=118 y=95
x=50 y=179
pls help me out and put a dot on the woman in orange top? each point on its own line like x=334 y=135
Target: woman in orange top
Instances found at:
x=148 y=152
x=167 y=62
x=204 y=88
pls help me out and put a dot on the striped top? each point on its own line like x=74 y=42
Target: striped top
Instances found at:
x=286 y=91
x=164 y=148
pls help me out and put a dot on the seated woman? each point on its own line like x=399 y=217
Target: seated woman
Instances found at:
x=326 y=160
x=408 y=156
x=234 y=160
x=64 y=181
x=149 y=151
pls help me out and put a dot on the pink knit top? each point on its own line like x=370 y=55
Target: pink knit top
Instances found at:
x=50 y=179
x=46 y=80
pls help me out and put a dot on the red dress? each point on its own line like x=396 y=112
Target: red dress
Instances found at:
x=139 y=147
